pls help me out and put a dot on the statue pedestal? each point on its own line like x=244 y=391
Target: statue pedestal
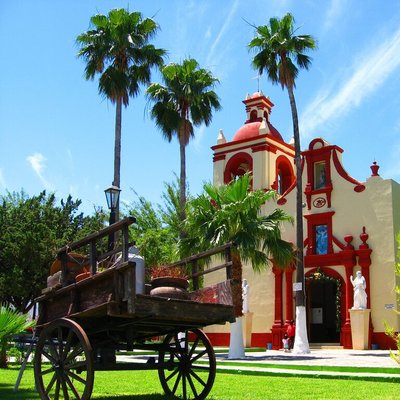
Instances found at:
x=360 y=328
x=236 y=349
x=247 y=328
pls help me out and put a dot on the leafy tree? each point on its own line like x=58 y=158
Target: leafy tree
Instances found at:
x=185 y=100
x=33 y=229
x=11 y=323
x=390 y=331
x=157 y=228
x=117 y=47
x=278 y=51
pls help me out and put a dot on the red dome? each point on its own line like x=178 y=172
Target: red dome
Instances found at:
x=251 y=130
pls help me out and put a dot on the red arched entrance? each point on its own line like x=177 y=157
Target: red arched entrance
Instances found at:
x=238 y=165
x=326 y=305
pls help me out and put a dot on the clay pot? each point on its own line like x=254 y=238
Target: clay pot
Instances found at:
x=82 y=276
x=171 y=287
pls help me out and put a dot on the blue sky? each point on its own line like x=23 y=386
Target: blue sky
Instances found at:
x=57 y=132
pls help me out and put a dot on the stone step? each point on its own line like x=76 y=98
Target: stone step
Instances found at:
x=326 y=346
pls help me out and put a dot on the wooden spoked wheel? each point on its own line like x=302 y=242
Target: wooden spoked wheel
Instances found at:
x=63 y=362
x=187 y=369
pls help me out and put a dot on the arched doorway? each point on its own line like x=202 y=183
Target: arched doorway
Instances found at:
x=324 y=306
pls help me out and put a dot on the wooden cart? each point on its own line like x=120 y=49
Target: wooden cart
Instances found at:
x=82 y=325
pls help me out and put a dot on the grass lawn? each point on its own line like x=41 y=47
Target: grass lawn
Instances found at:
x=144 y=385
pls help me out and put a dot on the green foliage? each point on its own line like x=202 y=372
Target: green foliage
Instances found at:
x=389 y=330
x=279 y=50
x=118 y=48
x=33 y=228
x=11 y=323
x=232 y=213
x=186 y=99
x=157 y=228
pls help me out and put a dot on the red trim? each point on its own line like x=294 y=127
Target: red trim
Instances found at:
x=284 y=171
x=311 y=146
x=282 y=199
x=257 y=339
x=313 y=157
x=318 y=219
x=289 y=293
x=342 y=172
x=219 y=339
x=343 y=297
x=258 y=99
x=383 y=341
x=234 y=163
x=219 y=157
x=282 y=146
x=261 y=339
x=339 y=243
x=261 y=147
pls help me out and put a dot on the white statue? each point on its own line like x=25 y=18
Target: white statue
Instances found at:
x=245 y=296
x=360 y=295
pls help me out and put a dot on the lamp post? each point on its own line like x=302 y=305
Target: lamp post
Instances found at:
x=112 y=197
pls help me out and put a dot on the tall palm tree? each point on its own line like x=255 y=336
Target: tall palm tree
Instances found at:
x=186 y=99
x=278 y=51
x=117 y=47
x=232 y=213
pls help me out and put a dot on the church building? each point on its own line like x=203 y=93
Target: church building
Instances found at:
x=349 y=226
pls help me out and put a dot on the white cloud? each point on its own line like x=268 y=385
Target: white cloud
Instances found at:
x=37 y=162
x=373 y=69
x=333 y=13
x=199 y=137
x=214 y=46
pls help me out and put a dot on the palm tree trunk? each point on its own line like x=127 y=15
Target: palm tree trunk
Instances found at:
x=301 y=340
x=3 y=354
x=236 y=343
x=182 y=183
x=117 y=150
x=300 y=295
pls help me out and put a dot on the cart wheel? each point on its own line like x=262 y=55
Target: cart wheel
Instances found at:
x=63 y=362
x=179 y=371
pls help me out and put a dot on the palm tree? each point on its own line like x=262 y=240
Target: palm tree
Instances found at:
x=186 y=99
x=117 y=48
x=11 y=323
x=232 y=213
x=278 y=52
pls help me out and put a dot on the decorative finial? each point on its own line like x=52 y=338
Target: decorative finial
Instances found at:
x=364 y=237
x=221 y=137
x=258 y=77
x=374 y=168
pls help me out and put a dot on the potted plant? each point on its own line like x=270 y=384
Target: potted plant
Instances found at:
x=169 y=281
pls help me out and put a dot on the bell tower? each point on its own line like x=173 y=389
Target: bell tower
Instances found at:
x=257 y=147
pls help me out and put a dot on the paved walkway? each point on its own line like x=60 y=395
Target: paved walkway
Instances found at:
x=324 y=357
x=316 y=357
